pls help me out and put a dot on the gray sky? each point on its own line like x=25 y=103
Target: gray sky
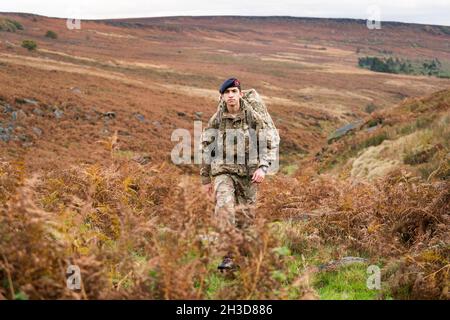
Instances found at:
x=417 y=11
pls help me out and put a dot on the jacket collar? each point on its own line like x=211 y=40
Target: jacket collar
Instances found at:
x=240 y=114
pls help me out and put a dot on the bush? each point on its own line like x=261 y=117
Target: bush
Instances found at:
x=431 y=68
x=10 y=25
x=419 y=155
x=374 y=141
x=51 y=34
x=371 y=107
x=420 y=123
x=388 y=65
x=374 y=122
x=404 y=66
x=18 y=25
x=29 y=44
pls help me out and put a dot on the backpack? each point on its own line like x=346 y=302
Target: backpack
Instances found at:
x=255 y=101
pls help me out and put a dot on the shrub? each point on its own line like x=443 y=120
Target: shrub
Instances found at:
x=371 y=107
x=29 y=44
x=51 y=34
x=395 y=65
x=419 y=155
x=18 y=25
x=9 y=25
x=374 y=140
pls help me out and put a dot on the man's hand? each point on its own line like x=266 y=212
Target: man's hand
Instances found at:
x=208 y=189
x=258 y=176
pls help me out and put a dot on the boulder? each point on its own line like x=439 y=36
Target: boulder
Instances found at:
x=58 y=113
x=139 y=117
x=26 y=101
x=109 y=115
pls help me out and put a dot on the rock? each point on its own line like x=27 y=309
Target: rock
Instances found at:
x=198 y=115
x=342 y=131
x=26 y=101
x=142 y=159
x=38 y=112
x=93 y=116
x=334 y=264
x=181 y=114
x=5 y=133
x=18 y=115
x=58 y=113
x=139 y=116
x=24 y=137
x=157 y=124
x=123 y=133
x=37 y=131
x=7 y=108
x=109 y=115
x=75 y=90
x=371 y=129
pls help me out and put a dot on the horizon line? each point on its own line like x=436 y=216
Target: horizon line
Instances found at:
x=227 y=15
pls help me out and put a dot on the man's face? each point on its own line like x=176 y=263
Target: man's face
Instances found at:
x=231 y=97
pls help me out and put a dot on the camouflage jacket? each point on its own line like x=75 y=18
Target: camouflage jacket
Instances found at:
x=235 y=135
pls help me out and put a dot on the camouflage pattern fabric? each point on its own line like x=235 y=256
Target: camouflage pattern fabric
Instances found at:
x=235 y=201
x=248 y=123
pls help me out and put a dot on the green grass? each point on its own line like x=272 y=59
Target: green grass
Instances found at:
x=289 y=169
x=124 y=154
x=21 y=296
x=353 y=150
x=444 y=75
x=420 y=123
x=215 y=281
x=347 y=283
x=435 y=133
x=373 y=141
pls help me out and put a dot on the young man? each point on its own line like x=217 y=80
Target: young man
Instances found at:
x=230 y=135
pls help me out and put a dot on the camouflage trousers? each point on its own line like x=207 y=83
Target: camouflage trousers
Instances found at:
x=235 y=201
